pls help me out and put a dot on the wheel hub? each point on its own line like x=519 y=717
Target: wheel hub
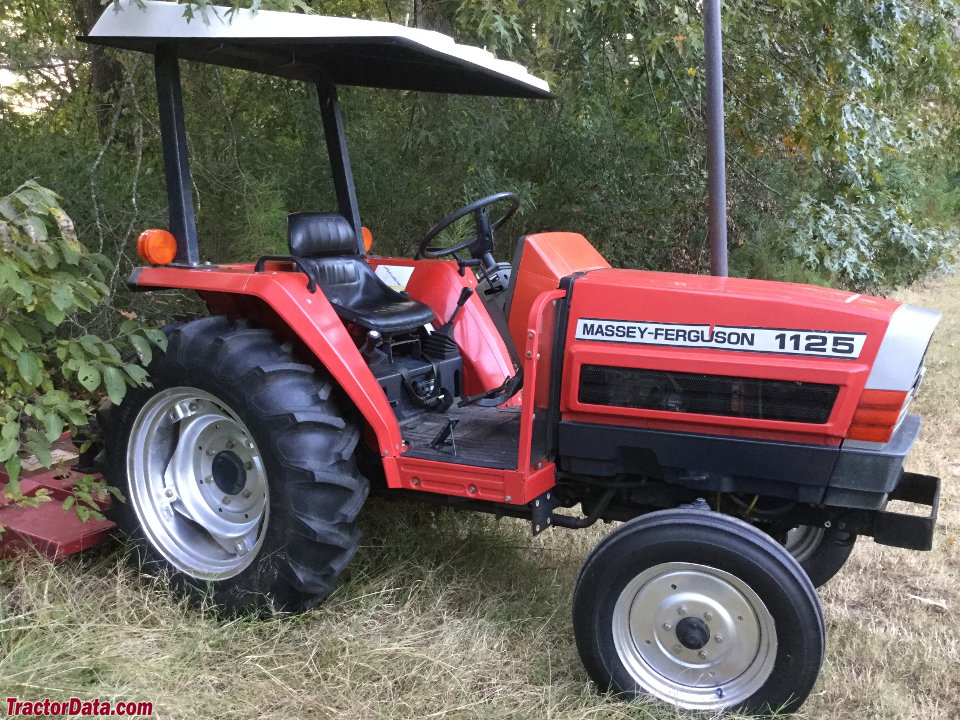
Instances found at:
x=693 y=633
x=228 y=472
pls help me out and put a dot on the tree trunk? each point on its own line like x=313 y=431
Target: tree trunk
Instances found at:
x=106 y=74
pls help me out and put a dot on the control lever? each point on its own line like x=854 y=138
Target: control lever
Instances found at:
x=370 y=343
x=447 y=328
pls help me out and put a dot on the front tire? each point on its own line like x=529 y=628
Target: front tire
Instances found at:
x=699 y=610
x=238 y=470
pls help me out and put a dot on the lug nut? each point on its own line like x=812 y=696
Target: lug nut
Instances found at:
x=208 y=479
x=169 y=492
x=682 y=610
x=245 y=494
x=230 y=444
x=667 y=626
x=211 y=452
x=702 y=654
x=708 y=616
x=226 y=500
x=249 y=445
x=718 y=638
x=248 y=465
x=677 y=649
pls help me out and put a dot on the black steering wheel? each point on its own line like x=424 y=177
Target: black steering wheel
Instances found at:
x=481 y=242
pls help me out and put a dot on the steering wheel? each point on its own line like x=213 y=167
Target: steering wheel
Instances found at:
x=481 y=242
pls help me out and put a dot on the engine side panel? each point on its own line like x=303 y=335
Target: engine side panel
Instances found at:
x=701 y=342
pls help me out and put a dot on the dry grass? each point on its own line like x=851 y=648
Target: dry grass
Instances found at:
x=457 y=616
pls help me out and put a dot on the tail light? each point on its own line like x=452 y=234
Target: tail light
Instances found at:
x=877 y=415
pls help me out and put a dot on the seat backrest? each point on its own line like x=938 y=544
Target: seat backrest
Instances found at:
x=320 y=234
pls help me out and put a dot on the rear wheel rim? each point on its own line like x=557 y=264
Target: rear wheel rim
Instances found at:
x=694 y=636
x=197 y=483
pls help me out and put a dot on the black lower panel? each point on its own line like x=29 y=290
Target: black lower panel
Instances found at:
x=796 y=471
x=485 y=437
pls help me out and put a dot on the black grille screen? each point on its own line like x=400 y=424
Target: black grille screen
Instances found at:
x=707 y=394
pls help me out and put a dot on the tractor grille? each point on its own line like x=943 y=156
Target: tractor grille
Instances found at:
x=707 y=394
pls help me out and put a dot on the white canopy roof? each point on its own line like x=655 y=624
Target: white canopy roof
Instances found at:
x=346 y=51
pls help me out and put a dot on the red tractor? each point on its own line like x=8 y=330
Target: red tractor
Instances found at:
x=744 y=432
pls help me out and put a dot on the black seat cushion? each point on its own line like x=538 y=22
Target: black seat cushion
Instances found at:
x=327 y=246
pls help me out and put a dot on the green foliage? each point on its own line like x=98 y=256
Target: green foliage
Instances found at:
x=837 y=113
x=51 y=368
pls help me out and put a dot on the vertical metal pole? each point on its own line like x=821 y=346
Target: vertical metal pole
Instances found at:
x=176 y=162
x=716 y=159
x=339 y=158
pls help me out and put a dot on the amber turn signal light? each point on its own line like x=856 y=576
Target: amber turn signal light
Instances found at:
x=876 y=415
x=367 y=238
x=157 y=247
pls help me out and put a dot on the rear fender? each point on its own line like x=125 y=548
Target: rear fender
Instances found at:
x=308 y=317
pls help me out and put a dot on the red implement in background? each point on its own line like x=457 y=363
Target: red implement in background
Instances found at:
x=48 y=528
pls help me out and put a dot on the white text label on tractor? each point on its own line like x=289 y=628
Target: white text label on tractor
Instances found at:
x=783 y=341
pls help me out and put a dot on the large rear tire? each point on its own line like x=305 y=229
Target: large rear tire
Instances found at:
x=699 y=610
x=238 y=470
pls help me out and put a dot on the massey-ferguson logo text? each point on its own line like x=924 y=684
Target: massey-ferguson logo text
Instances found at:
x=782 y=341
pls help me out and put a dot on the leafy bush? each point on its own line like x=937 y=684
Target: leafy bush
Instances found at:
x=51 y=369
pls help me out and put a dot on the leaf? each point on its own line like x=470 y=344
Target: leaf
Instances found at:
x=157 y=337
x=29 y=367
x=52 y=425
x=52 y=313
x=12 y=466
x=8 y=448
x=114 y=383
x=68 y=502
x=38 y=445
x=36 y=229
x=142 y=346
x=7 y=208
x=63 y=297
x=10 y=429
x=88 y=376
x=136 y=373
x=13 y=336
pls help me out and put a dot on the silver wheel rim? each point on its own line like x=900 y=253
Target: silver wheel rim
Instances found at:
x=197 y=483
x=739 y=647
x=803 y=541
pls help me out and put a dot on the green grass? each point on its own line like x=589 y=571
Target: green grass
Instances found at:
x=447 y=615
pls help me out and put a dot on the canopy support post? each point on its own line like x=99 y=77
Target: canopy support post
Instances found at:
x=716 y=153
x=176 y=160
x=339 y=159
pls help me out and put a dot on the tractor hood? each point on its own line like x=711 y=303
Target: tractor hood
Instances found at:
x=705 y=313
x=829 y=343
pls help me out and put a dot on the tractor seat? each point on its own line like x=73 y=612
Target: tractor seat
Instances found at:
x=326 y=245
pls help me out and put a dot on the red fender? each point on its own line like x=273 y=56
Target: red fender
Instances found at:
x=311 y=318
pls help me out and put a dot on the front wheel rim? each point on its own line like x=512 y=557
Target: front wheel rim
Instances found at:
x=197 y=483
x=803 y=540
x=694 y=636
